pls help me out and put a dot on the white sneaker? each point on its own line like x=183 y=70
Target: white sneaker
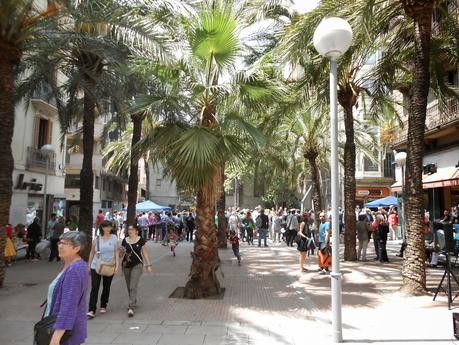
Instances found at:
x=324 y=271
x=130 y=313
x=91 y=315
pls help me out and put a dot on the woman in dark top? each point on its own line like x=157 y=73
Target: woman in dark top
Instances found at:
x=33 y=237
x=303 y=240
x=135 y=257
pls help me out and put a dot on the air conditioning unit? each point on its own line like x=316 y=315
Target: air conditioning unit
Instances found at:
x=429 y=169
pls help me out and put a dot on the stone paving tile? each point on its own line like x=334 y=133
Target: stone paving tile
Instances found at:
x=161 y=329
x=226 y=340
x=125 y=328
x=207 y=330
x=137 y=339
x=135 y=322
x=181 y=323
x=102 y=338
x=176 y=339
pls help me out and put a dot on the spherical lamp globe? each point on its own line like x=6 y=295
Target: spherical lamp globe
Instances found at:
x=333 y=36
x=47 y=149
x=400 y=158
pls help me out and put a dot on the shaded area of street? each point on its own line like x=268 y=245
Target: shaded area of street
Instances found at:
x=267 y=301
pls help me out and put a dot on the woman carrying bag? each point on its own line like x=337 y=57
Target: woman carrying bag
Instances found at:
x=104 y=263
x=64 y=319
x=134 y=259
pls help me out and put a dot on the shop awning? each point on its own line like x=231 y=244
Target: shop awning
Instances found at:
x=444 y=177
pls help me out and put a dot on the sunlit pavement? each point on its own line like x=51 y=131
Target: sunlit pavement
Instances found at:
x=267 y=301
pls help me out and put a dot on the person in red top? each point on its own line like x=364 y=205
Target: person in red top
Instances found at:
x=99 y=219
x=393 y=224
x=235 y=245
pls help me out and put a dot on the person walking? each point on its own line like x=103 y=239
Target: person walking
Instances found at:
x=157 y=227
x=383 y=231
x=135 y=257
x=50 y=226
x=104 y=250
x=393 y=224
x=56 y=233
x=262 y=224
x=190 y=225
x=143 y=225
x=363 y=229
x=324 y=257
x=292 y=228
x=234 y=239
x=249 y=226
x=276 y=226
x=67 y=292
x=33 y=238
x=303 y=241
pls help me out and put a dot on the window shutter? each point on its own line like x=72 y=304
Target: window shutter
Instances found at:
x=50 y=132
x=36 y=132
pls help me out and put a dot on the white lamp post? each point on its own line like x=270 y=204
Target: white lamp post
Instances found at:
x=331 y=39
x=47 y=150
x=400 y=160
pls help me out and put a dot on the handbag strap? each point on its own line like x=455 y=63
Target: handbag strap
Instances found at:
x=133 y=251
x=98 y=247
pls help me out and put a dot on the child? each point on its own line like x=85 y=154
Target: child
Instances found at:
x=10 y=249
x=235 y=244
x=172 y=237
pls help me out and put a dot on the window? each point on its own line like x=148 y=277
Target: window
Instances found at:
x=43 y=132
x=369 y=165
x=72 y=181
x=104 y=184
x=389 y=167
x=96 y=183
x=158 y=182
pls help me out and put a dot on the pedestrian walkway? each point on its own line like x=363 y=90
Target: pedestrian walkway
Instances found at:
x=267 y=301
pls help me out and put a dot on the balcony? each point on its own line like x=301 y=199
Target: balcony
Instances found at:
x=43 y=99
x=36 y=161
x=439 y=124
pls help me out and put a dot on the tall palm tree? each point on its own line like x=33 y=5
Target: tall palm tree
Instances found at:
x=413 y=270
x=21 y=24
x=353 y=85
x=88 y=46
x=195 y=146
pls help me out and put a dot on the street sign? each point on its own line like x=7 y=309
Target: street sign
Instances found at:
x=363 y=192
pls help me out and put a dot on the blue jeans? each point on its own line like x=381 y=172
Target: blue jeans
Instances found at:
x=262 y=233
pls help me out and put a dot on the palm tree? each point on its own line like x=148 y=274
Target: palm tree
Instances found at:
x=88 y=47
x=21 y=24
x=195 y=147
x=353 y=85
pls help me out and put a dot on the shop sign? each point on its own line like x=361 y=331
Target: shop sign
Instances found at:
x=363 y=192
x=32 y=185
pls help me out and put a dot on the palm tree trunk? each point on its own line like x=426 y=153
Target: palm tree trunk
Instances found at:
x=203 y=280
x=221 y=207
x=350 y=253
x=8 y=59
x=133 y=182
x=85 y=222
x=413 y=269
x=316 y=199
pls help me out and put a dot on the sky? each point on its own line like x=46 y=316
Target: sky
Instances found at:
x=305 y=5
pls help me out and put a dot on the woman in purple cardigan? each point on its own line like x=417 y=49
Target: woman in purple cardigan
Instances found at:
x=67 y=293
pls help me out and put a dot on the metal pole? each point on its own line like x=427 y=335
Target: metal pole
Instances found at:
x=45 y=191
x=336 y=274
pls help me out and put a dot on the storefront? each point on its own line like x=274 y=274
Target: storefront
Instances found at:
x=28 y=196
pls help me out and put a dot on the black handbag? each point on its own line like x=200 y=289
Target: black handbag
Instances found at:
x=43 y=329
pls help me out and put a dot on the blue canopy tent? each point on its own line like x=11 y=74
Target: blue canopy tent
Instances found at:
x=384 y=202
x=149 y=205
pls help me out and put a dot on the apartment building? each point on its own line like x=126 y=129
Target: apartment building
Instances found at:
x=110 y=191
x=36 y=124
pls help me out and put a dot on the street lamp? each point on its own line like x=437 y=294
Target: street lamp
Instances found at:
x=400 y=160
x=331 y=39
x=47 y=151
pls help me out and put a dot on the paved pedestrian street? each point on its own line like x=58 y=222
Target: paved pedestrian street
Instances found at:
x=267 y=301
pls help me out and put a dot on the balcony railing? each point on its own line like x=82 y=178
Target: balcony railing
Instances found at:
x=36 y=160
x=44 y=93
x=436 y=119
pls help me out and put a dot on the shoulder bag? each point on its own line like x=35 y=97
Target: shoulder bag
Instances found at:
x=43 y=330
x=104 y=268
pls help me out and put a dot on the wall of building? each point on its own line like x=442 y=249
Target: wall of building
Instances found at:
x=162 y=189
